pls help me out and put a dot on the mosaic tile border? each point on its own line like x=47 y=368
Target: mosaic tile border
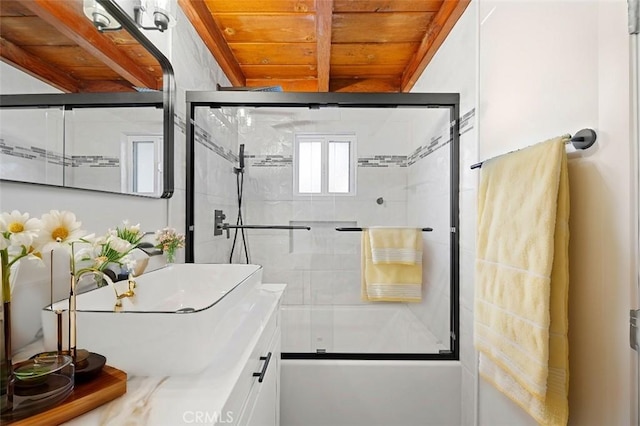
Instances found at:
x=55 y=158
x=383 y=161
x=272 y=160
x=205 y=139
x=437 y=142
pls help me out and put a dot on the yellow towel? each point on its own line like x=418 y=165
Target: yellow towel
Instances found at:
x=396 y=245
x=522 y=279
x=390 y=282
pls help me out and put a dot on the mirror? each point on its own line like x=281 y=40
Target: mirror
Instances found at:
x=113 y=128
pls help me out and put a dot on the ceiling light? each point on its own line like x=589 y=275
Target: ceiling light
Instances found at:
x=101 y=19
x=147 y=14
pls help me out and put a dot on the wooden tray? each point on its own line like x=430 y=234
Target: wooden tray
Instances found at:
x=110 y=384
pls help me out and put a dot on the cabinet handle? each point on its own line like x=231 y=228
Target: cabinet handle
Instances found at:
x=261 y=374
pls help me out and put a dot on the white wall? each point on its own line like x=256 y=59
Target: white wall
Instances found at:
x=454 y=69
x=549 y=68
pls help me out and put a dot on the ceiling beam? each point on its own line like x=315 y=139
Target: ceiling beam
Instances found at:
x=101 y=86
x=37 y=68
x=324 y=13
x=437 y=32
x=202 y=20
x=68 y=18
x=384 y=85
x=287 y=85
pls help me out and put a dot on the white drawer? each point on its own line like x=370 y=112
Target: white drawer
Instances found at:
x=238 y=398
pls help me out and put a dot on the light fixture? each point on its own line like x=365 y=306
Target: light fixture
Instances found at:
x=101 y=19
x=147 y=14
x=157 y=10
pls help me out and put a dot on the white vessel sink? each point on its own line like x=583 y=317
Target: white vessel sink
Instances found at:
x=178 y=319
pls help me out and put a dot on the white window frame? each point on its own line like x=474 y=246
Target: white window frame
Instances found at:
x=325 y=139
x=127 y=172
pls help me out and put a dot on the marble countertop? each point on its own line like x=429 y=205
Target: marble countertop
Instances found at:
x=189 y=399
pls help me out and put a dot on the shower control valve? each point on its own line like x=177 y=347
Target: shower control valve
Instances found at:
x=218 y=223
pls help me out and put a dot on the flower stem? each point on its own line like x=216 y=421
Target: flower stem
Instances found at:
x=6 y=271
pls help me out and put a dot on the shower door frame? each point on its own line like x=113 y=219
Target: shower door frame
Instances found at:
x=451 y=101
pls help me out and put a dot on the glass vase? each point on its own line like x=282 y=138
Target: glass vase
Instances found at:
x=171 y=255
x=7 y=378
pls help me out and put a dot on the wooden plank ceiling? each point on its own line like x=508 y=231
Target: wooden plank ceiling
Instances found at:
x=53 y=41
x=324 y=45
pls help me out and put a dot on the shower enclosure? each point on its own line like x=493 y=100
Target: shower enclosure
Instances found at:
x=335 y=163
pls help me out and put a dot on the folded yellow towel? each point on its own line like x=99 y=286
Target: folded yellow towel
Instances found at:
x=391 y=282
x=396 y=245
x=522 y=279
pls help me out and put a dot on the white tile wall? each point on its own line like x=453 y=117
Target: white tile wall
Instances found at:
x=322 y=267
x=454 y=69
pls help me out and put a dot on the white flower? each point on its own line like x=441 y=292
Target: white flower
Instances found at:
x=20 y=230
x=59 y=227
x=118 y=244
x=91 y=249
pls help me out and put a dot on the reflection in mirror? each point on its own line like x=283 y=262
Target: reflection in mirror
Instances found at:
x=114 y=149
x=32 y=153
x=107 y=149
x=105 y=142
x=50 y=46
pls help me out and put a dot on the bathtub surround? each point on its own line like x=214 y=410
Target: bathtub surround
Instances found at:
x=322 y=267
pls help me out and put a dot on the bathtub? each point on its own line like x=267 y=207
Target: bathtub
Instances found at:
x=320 y=392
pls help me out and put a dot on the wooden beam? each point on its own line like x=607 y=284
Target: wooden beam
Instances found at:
x=202 y=20
x=275 y=53
x=437 y=32
x=324 y=17
x=379 y=85
x=260 y=6
x=37 y=68
x=68 y=18
x=288 y=85
x=280 y=71
x=101 y=86
x=381 y=6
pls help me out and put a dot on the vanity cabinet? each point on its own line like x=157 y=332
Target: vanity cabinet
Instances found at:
x=262 y=407
x=255 y=399
x=241 y=385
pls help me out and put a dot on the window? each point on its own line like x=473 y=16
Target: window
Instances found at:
x=324 y=164
x=141 y=170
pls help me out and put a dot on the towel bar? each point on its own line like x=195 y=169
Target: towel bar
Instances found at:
x=583 y=139
x=339 y=229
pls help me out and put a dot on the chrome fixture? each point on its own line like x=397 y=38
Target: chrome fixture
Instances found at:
x=219 y=225
x=144 y=12
x=101 y=19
